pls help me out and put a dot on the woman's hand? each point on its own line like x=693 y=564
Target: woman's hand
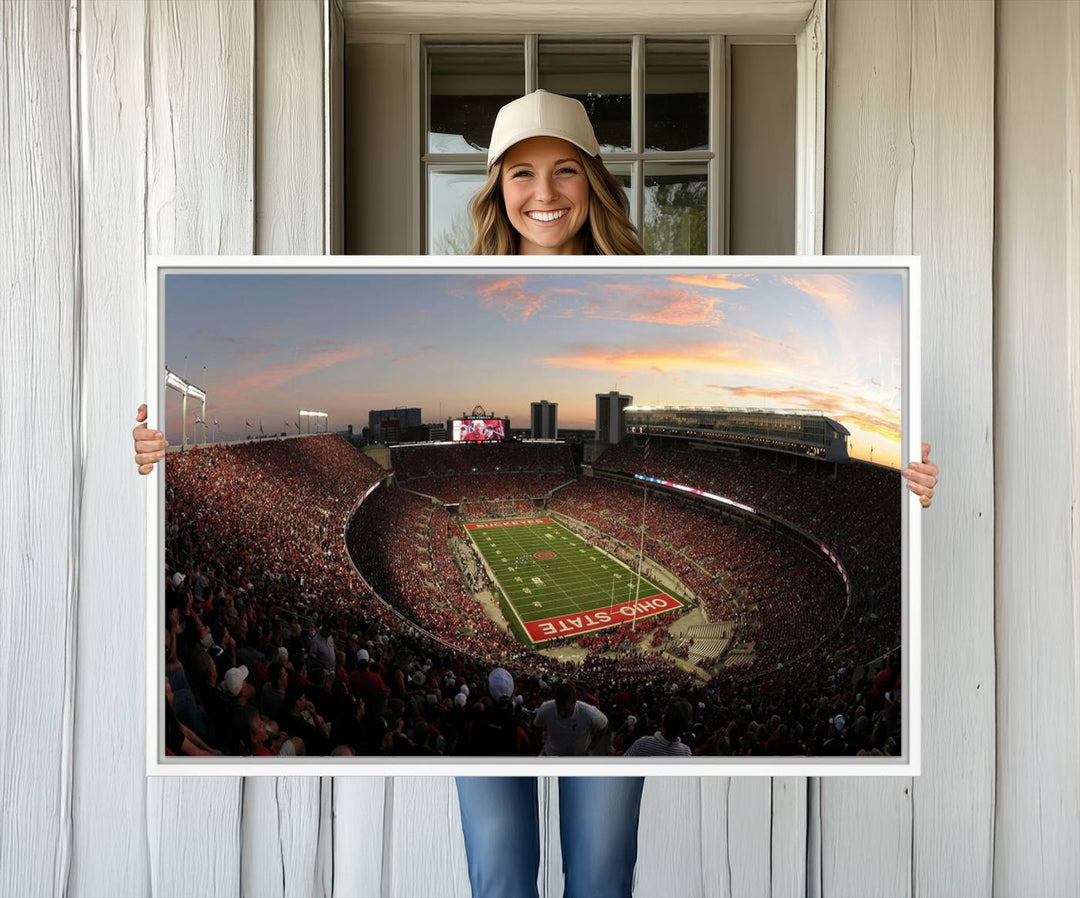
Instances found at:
x=922 y=477
x=150 y=445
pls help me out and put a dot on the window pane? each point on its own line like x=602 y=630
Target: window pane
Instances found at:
x=676 y=95
x=762 y=197
x=466 y=87
x=676 y=209
x=449 y=192
x=597 y=74
x=623 y=174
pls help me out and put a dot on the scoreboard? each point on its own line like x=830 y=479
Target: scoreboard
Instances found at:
x=478 y=430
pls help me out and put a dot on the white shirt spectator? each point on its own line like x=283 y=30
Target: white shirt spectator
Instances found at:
x=656 y=746
x=322 y=652
x=568 y=735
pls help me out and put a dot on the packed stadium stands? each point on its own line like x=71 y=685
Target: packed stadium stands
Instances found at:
x=258 y=575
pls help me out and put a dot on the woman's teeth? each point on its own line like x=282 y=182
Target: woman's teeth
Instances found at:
x=546 y=216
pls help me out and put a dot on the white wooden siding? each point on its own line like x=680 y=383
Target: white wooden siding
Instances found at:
x=109 y=820
x=164 y=127
x=40 y=339
x=1035 y=445
x=909 y=148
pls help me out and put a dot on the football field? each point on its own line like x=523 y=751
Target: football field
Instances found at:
x=556 y=584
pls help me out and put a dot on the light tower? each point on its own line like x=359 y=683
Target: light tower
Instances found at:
x=185 y=389
x=302 y=413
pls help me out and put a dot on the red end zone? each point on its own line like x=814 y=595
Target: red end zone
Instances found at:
x=586 y=621
x=488 y=525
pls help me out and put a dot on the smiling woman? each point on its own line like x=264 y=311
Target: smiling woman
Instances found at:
x=546 y=195
x=547 y=190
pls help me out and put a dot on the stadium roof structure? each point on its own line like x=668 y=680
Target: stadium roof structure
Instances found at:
x=737 y=408
x=807 y=432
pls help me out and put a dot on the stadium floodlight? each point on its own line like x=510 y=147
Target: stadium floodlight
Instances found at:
x=174 y=382
x=303 y=413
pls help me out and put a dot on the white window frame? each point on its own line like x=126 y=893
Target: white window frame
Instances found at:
x=810 y=125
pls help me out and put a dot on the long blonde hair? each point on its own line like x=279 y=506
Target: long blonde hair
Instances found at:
x=608 y=230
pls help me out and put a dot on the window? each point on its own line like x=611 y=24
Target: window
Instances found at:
x=659 y=107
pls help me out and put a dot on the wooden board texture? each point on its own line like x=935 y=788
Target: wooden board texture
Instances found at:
x=909 y=170
x=41 y=318
x=1037 y=834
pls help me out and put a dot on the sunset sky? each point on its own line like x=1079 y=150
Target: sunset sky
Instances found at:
x=265 y=345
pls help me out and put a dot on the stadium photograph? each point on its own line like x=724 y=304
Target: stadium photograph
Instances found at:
x=447 y=513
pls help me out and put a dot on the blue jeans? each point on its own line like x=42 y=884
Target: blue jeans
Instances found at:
x=598 y=821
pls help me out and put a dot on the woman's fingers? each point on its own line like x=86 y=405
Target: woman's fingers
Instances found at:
x=148 y=448
x=925 y=475
x=921 y=489
x=150 y=445
x=142 y=432
x=922 y=477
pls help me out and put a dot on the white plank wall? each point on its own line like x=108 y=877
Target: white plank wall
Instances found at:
x=179 y=127
x=289 y=127
x=671 y=835
x=40 y=479
x=909 y=152
x=360 y=814
x=109 y=852
x=1037 y=837
x=788 y=838
x=952 y=127
x=423 y=848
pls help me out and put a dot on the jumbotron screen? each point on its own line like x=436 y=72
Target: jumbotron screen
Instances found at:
x=477 y=430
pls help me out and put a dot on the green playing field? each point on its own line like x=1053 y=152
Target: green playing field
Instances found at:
x=557 y=584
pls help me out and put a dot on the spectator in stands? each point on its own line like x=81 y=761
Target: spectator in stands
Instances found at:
x=299 y=717
x=273 y=691
x=568 y=726
x=495 y=728
x=323 y=654
x=180 y=739
x=252 y=736
x=667 y=741
x=363 y=681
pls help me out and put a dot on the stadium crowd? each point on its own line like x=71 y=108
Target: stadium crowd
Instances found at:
x=483 y=473
x=274 y=646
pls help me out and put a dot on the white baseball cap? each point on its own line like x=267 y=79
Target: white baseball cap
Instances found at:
x=541 y=114
x=500 y=683
x=234 y=679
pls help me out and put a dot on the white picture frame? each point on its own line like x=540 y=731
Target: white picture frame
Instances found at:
x=907 y=764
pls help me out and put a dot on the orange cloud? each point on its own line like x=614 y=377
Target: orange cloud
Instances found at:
x=676 y=357
x=510 y=299
x=890 y=430
x=678 y=308
x=712 y=281
x=272 y=377
x=832 y=292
